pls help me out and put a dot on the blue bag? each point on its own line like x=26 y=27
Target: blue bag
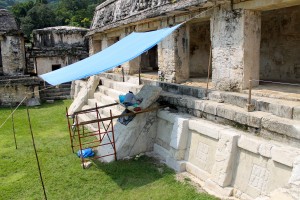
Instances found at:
x=86 y=153
x=121 y=98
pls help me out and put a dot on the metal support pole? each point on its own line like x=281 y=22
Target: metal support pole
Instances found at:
x=140 y=81
x=250 y=107
x=13 y=125
x=123 y=74
x=36 y=156
x=250 y=91
x=113 y=135
x=70 y=130
x=208 y=71
x=80 y=144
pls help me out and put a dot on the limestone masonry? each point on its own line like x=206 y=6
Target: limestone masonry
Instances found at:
x=211 y=135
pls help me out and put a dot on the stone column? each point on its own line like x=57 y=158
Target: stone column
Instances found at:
x=235 y=39
x=13 y=55
x=173 y=56
x=132 y=66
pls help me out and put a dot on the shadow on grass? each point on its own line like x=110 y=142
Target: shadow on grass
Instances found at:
x=130 y=174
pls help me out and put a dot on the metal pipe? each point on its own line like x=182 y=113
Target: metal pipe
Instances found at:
x=113 y=135
x=80 y=144
x=140 y=81
x=70 y=131
x=250 y=90
x=36 y=156
x=123 y=74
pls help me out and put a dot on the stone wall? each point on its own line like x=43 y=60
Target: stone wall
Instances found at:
x=13 y=55
x=280 y=46
x=59 y=36
x=13 y=92
x=199 y=49
x=229 y=162
x=60 y=45
x=114 y=13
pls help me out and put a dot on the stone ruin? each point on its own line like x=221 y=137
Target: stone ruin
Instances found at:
x=14 y=83
x=232 y=152
x=52 y=48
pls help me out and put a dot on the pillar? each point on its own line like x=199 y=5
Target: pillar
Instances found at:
x=13 y=55
x=235 y=39
x=173 y=56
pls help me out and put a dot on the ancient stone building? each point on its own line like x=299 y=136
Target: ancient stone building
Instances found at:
x=56 y=47
x=233 y=152
x=14 y=84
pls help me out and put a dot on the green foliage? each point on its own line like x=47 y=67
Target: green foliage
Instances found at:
x=63 y=176
x=39 y=16
x=34 y=14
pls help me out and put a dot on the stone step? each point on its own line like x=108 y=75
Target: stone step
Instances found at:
x=116 y=110
x=100 y=97
x=278 y=107
x=110 y=92
x=53 y=90
x=262 y=122
x=120 y=86
x=56 y=97
x=54 y=94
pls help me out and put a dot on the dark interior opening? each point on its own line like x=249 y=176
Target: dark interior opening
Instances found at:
x=55 y=67
x=149 y=60
x=199 y=49
x=280 y=46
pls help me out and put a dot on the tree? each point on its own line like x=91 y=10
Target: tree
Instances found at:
x=39 y=16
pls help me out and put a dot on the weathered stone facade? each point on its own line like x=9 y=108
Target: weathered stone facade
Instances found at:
x=241 y=49
x=56 y=47
x=12 y=46
x=248 y=155
x=14 y=85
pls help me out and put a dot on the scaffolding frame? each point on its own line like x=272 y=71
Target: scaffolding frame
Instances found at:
x=82 y=138
x=78 y=131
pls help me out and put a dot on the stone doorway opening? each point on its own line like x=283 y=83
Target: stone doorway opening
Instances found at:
x=199 y=49
x=280 y=45
x=149 y=61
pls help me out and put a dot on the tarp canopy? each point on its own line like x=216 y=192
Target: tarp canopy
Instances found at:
x=124 y=50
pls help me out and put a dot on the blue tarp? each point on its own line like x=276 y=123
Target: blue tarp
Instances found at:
x=126 y=49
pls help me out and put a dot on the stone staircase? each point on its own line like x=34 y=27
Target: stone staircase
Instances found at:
x=274 y=119
x=59 y=92
x=105 y=94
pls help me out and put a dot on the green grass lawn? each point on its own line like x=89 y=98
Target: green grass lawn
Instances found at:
x=63 y=176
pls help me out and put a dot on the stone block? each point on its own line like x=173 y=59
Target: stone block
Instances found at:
x=265 y=150
x=33 y=102
x=179 y=133
x=296 y=113
x=178 y=166
x=249 y=144
x=166 y=115
x=295 y=176
x=225 y=157
x=282 y=126
x=205 y=127
x=162 y=152
x=196 y=171
x=216 y=190
x=284 y=155
x=210 y=107
x=177 y=154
